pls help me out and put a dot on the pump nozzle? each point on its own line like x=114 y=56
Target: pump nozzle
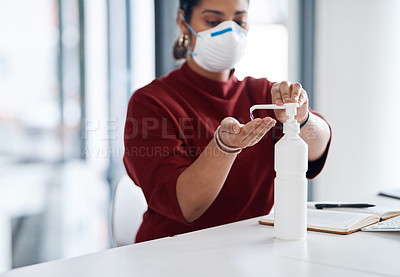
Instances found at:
x=291 y=125
x=291 y=109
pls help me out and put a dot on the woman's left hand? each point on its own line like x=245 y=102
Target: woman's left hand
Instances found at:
x=285 y=92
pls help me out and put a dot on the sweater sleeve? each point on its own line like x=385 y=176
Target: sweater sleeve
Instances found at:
x=315 y=167
x=154 y=154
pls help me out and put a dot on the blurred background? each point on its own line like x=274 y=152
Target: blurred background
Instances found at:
x=68 y=68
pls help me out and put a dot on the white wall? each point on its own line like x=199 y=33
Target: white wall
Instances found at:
x=358 y=90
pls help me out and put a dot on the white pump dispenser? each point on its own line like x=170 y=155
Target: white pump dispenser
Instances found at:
x=291 y=164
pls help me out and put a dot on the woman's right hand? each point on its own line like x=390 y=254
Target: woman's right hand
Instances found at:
x=234 y=134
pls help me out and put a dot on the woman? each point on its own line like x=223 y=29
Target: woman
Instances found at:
x=192 y=177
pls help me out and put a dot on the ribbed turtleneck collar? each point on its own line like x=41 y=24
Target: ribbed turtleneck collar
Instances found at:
x=220 y=89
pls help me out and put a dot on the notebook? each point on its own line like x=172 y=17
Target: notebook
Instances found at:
x=390 y=225
x=340 y=220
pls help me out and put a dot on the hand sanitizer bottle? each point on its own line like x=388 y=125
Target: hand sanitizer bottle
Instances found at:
x=291 y=164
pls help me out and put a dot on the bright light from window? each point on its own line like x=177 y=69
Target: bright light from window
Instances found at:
x=266 y=53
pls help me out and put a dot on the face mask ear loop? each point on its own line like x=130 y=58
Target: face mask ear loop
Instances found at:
x=187 y=24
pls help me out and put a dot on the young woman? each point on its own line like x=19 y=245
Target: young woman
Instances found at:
x=189 y=142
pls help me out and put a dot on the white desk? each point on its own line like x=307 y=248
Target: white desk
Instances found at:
x=239 y=249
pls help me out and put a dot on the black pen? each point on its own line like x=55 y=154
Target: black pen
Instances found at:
x=358 y=205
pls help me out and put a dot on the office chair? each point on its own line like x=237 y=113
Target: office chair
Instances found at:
x=128 y=206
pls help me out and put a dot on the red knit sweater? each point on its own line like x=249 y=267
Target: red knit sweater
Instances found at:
x=170 y=122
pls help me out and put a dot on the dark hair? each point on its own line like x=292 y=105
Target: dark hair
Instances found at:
x=187 y=6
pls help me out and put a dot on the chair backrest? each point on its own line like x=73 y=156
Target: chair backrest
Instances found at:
x=128 y=207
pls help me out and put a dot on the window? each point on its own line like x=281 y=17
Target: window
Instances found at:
x=30 y=115
x=267 y=42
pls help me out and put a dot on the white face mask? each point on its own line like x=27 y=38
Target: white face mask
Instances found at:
x=219 y=48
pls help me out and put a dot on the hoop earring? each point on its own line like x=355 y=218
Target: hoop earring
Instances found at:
x=181 y=47
x=183 y=41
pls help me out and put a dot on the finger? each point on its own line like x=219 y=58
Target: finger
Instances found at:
x=296 y=89
x=259 y=133
x=260 y=130
x=303 y=98
x=230 y=125
x=276 y=94
x=250 y=127
x=260 y=136
x=285 y=91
